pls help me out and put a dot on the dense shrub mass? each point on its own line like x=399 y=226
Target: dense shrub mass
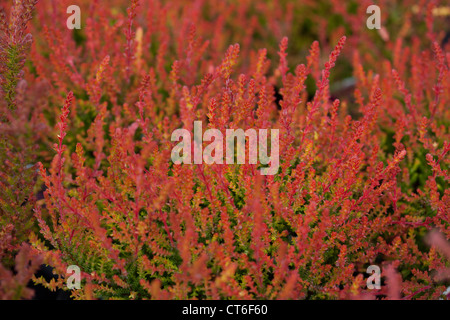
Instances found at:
x=86 y=178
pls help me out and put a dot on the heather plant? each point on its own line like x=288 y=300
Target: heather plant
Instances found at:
x=363 y=175
x=18 y=262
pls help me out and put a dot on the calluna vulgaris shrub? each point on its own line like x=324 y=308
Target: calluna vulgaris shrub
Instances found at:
x=86 y=173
